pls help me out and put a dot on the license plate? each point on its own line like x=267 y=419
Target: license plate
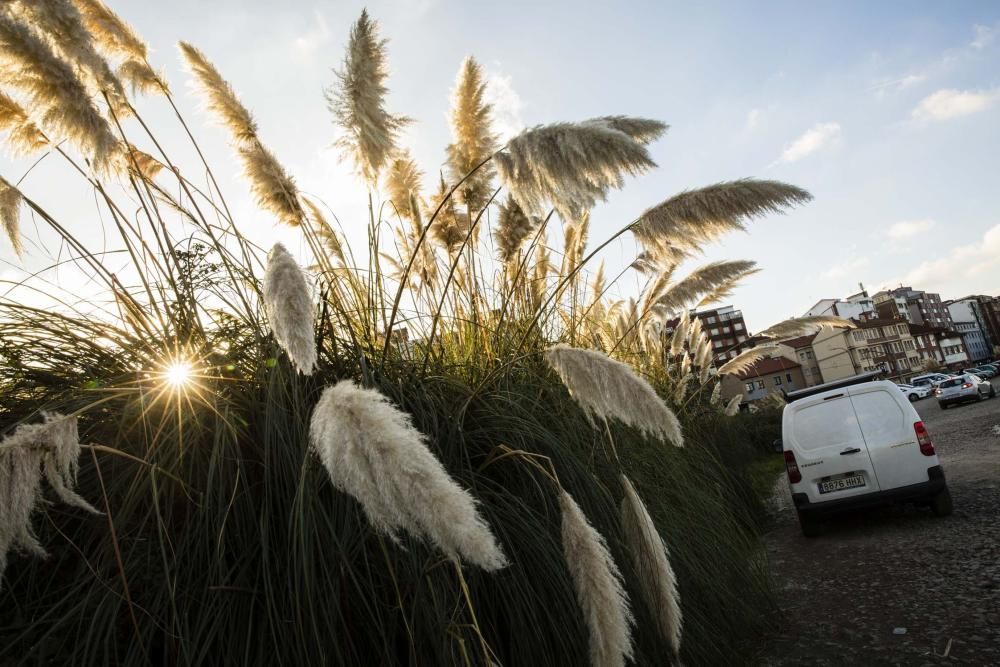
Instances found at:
x=851 y=482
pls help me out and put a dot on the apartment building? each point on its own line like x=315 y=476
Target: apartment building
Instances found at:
x=977 y=318
x=725 y=327
x=916 y=306
x=851 y=307
x=773 y=375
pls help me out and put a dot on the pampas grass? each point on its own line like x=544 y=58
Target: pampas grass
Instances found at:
x=473 y=140
x=51 y=448
x=733 y=406
x=642 y=130
x=704 y=280
x=606 y=388
x=111 y=33
x=598 y=584
x=803 y=326
x=10 y=214
x=692 y=218
x=402 y=183
x=357 y=101
x=54 y=92
x=651 y=560
x=571 y=166
x=372 y=452
x=23 y=136
x=747 y=358
x=513 y=228
x=288 y=302
x=220 y=98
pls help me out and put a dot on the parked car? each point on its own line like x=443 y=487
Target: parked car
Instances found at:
x=915 y=393
x=928 y=379
x=962 y=388
x=989 y=370
x=853 y=444
x=980 y=373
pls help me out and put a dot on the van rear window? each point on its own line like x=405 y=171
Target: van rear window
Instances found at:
x=826 y=424
x=955 y=382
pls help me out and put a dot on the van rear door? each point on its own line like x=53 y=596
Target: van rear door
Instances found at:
x=823 y=433
x=887 y=426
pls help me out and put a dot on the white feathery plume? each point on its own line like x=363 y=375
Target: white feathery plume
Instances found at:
x=802 y=326
x=716 y=394
x=747 y=358
x=607 y=388
x=289 y=308
x=651 y=560
x=571 y=166
x=642 y=130
x=733 y=406
x=598 y=584
x=373 y=453
x=680 y=334
x=52 y=448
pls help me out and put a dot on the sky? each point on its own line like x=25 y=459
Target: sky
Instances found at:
x=888 y=113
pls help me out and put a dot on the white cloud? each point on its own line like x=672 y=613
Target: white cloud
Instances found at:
x=814 y=139
x=845 y=269
x=985 y=34
x=309 y=42
x=907 y=229
x=507 y=104
x=966 y=269
x=753 y=119
x=950 y=103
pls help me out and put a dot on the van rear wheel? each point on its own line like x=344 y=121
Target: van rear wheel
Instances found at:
x=810 y=526
x=941 y=503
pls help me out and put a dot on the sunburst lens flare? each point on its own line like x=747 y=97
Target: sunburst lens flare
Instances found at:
x=178 y=374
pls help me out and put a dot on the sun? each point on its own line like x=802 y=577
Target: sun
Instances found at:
x=178 y=374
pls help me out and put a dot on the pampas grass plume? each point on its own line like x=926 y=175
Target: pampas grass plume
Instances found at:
x=289 y=308
x=607 y=388
x=10 y=214
x=373 y=453
x=652 y=563
x=598 y=585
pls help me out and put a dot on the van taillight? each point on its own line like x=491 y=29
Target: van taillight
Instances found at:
x=794 y=476
x=923 y=439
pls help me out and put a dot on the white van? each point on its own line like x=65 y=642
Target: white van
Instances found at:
x=856 y=443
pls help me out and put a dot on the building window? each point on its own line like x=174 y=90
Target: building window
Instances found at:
x=777 y=380
x=859 y=335
x=738 y=326
x=714 y=332
x=760 y=384
x=711 y=320
x=788 y=376
x=749 y=387
x=740 y=339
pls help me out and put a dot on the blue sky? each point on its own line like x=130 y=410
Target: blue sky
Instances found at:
x=888 y=112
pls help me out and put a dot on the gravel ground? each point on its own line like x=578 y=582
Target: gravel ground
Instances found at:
x=898 y=586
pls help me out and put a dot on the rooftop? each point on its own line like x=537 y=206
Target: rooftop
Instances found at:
x=801 y=341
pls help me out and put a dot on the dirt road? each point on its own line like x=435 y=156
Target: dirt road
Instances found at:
x=900 y=586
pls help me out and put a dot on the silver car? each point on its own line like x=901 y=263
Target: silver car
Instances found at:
x=962 y=388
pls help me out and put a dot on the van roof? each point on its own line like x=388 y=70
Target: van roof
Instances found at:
x=836 y=384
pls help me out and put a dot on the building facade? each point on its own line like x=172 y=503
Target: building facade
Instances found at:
x=725 y=327
x=801 y=351
x=977 y=319
x=916 y=306
x=774 y=375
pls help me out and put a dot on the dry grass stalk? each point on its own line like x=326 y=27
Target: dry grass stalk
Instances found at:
x=606 y=388
x=51 y=448
x=373 y=453
x=473 y=140
x=733 y=406
x=747 y=358
x=513 y=228
x=112 y=34
x=651 y=560
x=704 y=280
x=289 y=308
x=571 y=166
x=451 y=226
x=690 y=219
x=220 y=98
x=598 y=584
x=145 y=165
x=274 y=190
x=10 y=214
x=402 y=182
x=327 y=235
x=23 y=136
x=58 y=97
x=357 y=101
x=679 y=337
x=141 y=77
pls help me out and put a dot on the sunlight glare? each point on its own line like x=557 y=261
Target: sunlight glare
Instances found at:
x=178 y=374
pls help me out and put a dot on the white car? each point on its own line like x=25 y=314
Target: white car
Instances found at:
x=857 y=443
x=929 y=379
x=962 y=388
x=914 y=394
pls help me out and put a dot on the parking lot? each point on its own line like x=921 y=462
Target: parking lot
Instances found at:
x=898 y=586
